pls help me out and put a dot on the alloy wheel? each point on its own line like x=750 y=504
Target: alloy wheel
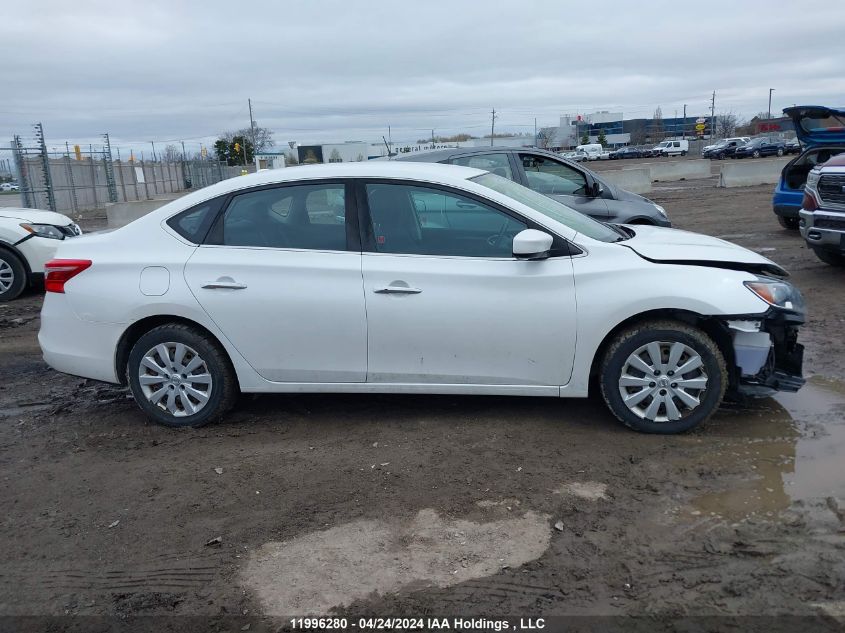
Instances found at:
x=663 y=381
x=7 y=276
x=175 y=378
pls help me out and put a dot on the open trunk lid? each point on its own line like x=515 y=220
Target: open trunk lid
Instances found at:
x=818 y=125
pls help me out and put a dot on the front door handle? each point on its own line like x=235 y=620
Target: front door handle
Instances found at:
x=220 y=283
x=398 y=290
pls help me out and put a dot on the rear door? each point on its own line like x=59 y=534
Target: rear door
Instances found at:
x=562 y=182
x=280 y=275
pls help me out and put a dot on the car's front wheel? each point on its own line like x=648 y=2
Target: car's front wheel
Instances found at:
x=755 y=154
x=180 y=376
x=663 y=377
x=12 y=276
x=788 y=223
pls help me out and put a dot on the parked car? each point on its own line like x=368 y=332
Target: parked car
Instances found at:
x=396 y=277
x=604 y=154
x=792 y=146
x=573 y=185
x=822 y=215
x=592 y=150
x=9 y=186
x=736 y=140
x=762 y=146
x=671 y=148
x=724 y=149
x=820 y=131
x=576 y=157
x=28 y=239
x=626 y=152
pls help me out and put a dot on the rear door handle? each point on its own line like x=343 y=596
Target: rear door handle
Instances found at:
x=398 y=290
x=230 y=285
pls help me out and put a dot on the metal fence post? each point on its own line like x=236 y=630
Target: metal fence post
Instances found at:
x=45 y=166
x=69 y=170
x=93 y=175
x=120 y=175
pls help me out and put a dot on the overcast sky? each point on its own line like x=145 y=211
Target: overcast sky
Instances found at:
x=327 y=70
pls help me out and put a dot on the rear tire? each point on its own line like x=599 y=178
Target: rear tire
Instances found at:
x=648 y=405
x=181 y=377
x=780 y=152
x=12 y=276
x=788 y=223
x=829 y=257
x=756 y=154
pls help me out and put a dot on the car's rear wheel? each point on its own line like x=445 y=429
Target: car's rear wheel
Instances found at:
x=788 y=223
x=756 y=153
x=180 y=376
x=663 y=377
x=12 y=275
x=780 y=152
x=830 y=257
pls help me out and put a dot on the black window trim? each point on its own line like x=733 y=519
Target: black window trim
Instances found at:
x=588 y=180
x=561 y=247
x=214 y=235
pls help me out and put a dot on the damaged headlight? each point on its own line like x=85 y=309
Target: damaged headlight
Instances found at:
x=780 y=294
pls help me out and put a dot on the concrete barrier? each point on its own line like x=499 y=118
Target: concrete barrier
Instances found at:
x=635 y=179
x=679 y=170
x=745 y=172
x=122 y=213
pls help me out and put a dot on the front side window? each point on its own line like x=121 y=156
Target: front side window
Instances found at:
x=552 y=177
x=420 y=220
x=494 y=163
x=292 y=216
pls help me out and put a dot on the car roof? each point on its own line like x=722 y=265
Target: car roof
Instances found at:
x=439 y=155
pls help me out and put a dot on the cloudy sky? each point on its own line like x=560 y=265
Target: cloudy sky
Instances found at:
x=334 y=70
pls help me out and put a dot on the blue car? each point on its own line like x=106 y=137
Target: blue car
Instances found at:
x=821 y=131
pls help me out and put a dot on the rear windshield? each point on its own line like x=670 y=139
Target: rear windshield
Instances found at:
x=548 y=207
x=832 y=123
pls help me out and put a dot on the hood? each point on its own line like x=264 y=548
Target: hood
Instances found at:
x=817 y=125
x=35 y=216
x=671 y=246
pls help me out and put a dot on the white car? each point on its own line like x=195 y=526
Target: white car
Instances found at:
x=399 y=277
x=28 y=239
x=9 y=186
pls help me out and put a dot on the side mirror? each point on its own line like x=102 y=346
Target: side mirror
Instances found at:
x=532 y=244
x=597 y=189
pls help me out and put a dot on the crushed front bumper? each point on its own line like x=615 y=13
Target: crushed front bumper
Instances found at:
x=767 y=355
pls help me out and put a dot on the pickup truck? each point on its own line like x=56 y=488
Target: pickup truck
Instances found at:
x=822 y=215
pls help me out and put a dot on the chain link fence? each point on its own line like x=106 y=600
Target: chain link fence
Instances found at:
x=74 y=181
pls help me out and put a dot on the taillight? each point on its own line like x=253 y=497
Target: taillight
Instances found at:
x=57 y=272
x=808 y=203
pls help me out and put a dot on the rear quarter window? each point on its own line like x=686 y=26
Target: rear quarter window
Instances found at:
x=193 y=223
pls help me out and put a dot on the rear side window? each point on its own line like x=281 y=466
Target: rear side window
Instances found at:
x=193 y=223
x=291 y=216
x=494 y=163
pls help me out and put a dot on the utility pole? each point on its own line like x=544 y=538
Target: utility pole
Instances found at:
x=252 y=129
x=183 y=150
x=492 y=126
x=432 y=139
x=154 y=150
x=684 y=124
x=771 y=90
x=535 y=131
x=713 y=116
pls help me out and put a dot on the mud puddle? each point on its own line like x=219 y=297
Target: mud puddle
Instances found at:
x=785 y=454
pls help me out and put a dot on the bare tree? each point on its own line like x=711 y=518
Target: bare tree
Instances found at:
x=171 y=154
x=291 y=159
x=726 y=124
x=657 y=132
x=546 y=137
x=638 y=133
x=263 y=137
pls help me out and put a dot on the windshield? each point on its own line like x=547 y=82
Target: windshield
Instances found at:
x=548 y=207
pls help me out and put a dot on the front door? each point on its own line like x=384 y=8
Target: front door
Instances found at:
x=283 y=284
x=565 y=184
x=447 y=303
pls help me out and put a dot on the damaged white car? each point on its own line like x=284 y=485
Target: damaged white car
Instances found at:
x=415 y=278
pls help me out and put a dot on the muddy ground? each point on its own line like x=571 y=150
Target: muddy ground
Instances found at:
x=405 y=505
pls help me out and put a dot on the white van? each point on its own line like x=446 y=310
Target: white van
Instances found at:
x=671 y=148
x=592 y=150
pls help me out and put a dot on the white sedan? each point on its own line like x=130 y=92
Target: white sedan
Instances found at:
x=391 y=277
x=28 y=240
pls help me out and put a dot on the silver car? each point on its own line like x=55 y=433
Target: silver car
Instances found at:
x=545 y=172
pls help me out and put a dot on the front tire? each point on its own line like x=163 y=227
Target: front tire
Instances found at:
x=829 y=257
x=788 y=223
x=181 y=377
x=663 y=377
x=12 y=276
x=756 y=154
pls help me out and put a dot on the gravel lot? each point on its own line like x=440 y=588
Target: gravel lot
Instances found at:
x=395 y=505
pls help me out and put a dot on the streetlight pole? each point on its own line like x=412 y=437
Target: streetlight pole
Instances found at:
x=771 y=90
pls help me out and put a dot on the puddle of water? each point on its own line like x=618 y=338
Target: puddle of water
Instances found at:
x=314 y=572
x=794 y=446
